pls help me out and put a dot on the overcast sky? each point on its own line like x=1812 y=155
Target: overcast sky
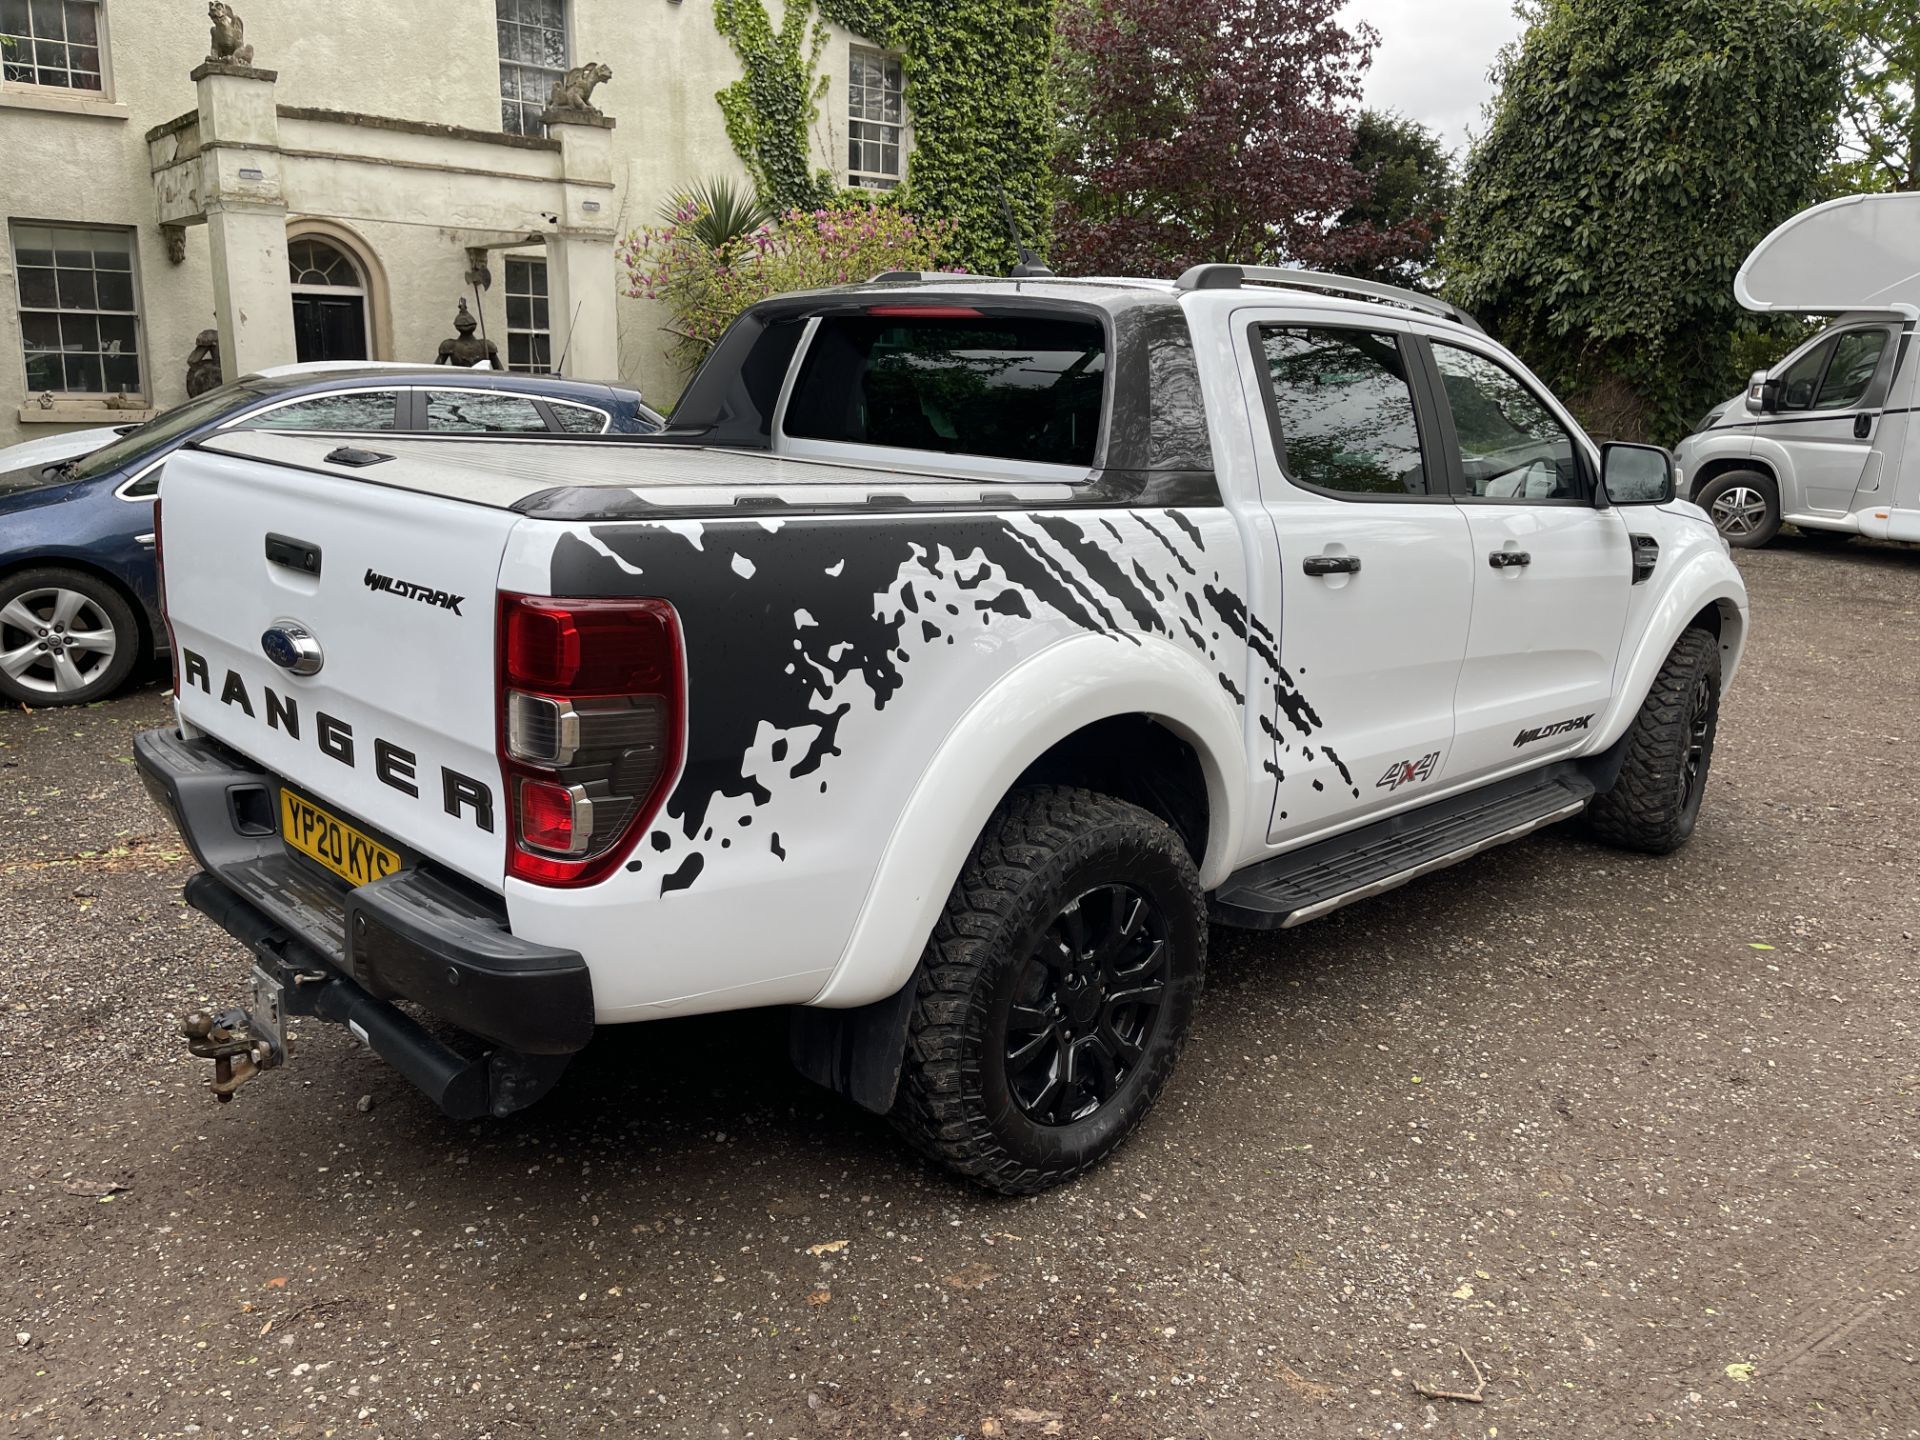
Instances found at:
x=1433 y=59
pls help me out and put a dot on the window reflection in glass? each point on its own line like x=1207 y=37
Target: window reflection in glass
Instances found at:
x=370 y=411
x=1511 y=446
x=476 y=413
x=1344 y=410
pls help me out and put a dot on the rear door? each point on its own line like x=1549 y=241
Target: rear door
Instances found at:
x=1376 y=586
x=1551 y=574
x=396 y=728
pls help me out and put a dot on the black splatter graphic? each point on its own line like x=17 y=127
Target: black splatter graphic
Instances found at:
x=765 y=680
x=688 y=872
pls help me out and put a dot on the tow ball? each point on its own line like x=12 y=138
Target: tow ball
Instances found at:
x=241 y=1043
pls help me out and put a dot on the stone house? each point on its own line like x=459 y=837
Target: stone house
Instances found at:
x=333 y=191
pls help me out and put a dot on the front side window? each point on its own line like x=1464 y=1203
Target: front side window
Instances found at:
x=1856 y=356
x=1801 y=383
x=1015 y=388
x=533 y=55
x=51 y=42
x=371 y=410
x=529 y=343
x=79 y=323
x=1342 y=410
x=474 y=412
x=876 y=118
x=1511 y=446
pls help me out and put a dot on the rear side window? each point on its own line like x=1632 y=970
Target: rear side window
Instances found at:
x=1343 y=410
x=578 y=419
x=1005 y=387
x=469 y=412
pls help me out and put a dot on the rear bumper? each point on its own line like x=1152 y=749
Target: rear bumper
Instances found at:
x=415 y=936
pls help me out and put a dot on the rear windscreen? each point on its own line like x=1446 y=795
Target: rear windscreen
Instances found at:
x=1009 y=387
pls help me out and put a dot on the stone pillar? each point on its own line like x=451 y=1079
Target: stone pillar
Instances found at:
x=580 y=281
x=246 y=213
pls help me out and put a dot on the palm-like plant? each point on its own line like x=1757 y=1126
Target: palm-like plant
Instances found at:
x=723 y=212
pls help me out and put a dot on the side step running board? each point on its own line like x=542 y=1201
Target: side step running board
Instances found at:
x=1305 y=884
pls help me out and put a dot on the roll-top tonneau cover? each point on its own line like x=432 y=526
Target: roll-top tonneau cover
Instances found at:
x=1859 y=253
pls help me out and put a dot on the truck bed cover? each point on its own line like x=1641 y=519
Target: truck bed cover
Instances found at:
x=589 y=479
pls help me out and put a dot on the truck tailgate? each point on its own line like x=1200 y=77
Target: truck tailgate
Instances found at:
x=396 y=729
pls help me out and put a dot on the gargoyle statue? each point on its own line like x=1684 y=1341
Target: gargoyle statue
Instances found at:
x=203 y=365
x=574 y=90
x=229 y=36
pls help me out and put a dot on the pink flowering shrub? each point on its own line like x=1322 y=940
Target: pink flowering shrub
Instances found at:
x=705 y=287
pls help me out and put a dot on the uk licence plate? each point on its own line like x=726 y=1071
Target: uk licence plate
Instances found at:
x=323 y=836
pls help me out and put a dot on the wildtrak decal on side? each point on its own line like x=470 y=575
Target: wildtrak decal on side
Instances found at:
x=394 y=766
x=799 y=631
x=1547 y=732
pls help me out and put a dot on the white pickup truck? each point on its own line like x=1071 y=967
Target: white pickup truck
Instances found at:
x=964 y=648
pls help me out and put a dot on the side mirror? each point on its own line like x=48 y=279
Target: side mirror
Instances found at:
x=1763 y=393
x=1636 y=474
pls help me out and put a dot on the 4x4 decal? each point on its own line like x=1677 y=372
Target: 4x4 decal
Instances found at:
x=1547 y=732
x=1408 y=772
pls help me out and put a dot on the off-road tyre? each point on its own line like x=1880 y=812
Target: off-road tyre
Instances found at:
x=1044 y=851
x=1738 y=524
x=92 y=608
x=1652 y=807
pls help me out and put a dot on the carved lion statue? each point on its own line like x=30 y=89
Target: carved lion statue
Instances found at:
x=229 y=36
x=574 y=90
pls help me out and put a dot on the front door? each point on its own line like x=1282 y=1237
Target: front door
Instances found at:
x=1376 y=588
x=1551 y=575
x=1828 y=417
x=329 y=327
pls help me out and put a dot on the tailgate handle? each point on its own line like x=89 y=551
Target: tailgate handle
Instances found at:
x=355 y=459
x=301 y=555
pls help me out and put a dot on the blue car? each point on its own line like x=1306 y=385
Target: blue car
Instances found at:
x=79 y=606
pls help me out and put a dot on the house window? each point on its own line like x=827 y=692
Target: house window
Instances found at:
x=876 y=114
x=529 y=344
x=51 y=42
x=79 y=320
x=533 y=55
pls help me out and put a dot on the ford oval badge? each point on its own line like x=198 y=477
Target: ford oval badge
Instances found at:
x=291 y=646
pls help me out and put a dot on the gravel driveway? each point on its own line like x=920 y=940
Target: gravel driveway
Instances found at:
x=1639 y=1135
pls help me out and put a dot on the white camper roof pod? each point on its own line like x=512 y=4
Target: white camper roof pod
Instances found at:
x=1857 y=253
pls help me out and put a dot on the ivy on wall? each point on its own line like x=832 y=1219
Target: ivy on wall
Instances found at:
x=979 y=99
x=770 y=108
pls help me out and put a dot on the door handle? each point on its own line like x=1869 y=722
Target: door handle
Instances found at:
x=1509 y=559
x=1862 y=427
x=1331 y=565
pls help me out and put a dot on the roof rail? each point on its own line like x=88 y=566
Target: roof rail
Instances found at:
x=1232 y=277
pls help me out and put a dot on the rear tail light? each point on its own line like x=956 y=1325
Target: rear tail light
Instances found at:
x=592 y=715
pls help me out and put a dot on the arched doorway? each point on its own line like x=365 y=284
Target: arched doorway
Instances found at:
x=329 y=301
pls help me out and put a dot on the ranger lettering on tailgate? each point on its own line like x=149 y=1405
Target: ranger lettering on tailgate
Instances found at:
x=393 y=765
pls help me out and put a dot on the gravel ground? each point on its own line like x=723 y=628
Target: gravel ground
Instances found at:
x=1638 y=1134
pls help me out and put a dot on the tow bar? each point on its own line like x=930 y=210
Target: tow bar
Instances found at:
x=241 y=1043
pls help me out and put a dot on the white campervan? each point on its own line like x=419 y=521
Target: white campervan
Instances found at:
x=1828 y=439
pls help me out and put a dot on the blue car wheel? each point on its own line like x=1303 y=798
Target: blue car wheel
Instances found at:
x=66 y=638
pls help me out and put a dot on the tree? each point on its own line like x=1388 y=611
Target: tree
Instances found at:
x=1637 y=151
x=1196 y=130
x=1410 y=186
x=1879 y=119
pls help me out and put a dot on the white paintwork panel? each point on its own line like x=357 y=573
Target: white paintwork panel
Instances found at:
x=1861 y=252
x=398 y=671
x=1545 y=636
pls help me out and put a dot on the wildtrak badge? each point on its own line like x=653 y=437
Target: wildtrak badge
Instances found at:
x=411 y=590
x=1547 y=732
